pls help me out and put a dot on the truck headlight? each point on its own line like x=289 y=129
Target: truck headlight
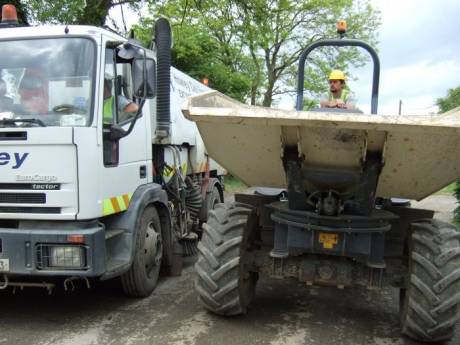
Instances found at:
x=66 y=257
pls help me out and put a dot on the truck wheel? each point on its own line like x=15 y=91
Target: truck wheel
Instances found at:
x=209 y=203
x=224 y=284
x=142 y=277
x=430 y=304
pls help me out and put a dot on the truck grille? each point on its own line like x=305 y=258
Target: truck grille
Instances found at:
x=13 y=136
x=22 y=198
x=38 y=210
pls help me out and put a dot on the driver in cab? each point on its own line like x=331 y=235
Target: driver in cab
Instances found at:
x=339 y=95
x=33 y=93
x=124 y=105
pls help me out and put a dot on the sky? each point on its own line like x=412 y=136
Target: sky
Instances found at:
x=419 y=54
x=419 y=50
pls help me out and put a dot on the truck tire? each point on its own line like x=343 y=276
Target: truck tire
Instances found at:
x=211 y=200
x=430 y=304
x=224 y=284
x=142 y=277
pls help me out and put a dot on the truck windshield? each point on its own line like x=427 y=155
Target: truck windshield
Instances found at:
x=49 y=80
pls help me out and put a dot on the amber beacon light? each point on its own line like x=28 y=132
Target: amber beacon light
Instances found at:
x=341 y=27
x=9 y=14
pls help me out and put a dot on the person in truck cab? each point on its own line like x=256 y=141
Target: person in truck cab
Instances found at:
x=124 y=105
x=339 y=95
x=33 y=93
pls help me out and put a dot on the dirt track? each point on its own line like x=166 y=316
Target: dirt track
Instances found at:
x=284 y=313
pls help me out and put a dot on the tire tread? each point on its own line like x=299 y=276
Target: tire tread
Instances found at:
x=431 y=306
x=219 y=266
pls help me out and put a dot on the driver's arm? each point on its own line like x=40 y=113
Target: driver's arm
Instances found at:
x=131 y=108
x=127 y=106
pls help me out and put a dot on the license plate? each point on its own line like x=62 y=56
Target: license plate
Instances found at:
x=328 y=240
x=4 y=265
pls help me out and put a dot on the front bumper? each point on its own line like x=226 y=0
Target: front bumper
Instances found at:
x=27 y=251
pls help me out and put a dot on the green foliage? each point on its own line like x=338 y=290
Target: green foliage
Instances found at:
x=199 y=52
x=233 y=184
x=309 y=103
x=449 y=190
x=449 y=102
x=260 y=41
x=56 y=12
x=194 y=53
x=84 y=12
x=457 y=210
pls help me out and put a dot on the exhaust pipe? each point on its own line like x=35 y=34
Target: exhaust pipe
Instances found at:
x=163 y=43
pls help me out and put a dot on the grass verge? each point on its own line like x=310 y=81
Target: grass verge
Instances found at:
x=233 y=184
x=450 y=189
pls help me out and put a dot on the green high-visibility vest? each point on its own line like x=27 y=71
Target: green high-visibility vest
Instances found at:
x=107 y=111
x=343 y=96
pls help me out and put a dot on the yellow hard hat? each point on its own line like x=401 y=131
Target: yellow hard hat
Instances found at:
x=337 y=75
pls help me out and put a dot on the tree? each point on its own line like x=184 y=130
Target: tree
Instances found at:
x=280 y=30
x=449 y=102
x=199 y=52
x=84 y=12
x=263 y=38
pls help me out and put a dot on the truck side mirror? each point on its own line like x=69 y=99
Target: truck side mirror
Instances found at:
x=144 y=77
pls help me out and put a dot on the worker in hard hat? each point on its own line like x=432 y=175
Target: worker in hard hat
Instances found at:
x=339 y=95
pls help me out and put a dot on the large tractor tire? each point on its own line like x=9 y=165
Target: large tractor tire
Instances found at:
x=224 y=283
x=141 y=279
x=430 y=304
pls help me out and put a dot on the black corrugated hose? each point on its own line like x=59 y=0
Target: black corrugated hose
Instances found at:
x=163 y=42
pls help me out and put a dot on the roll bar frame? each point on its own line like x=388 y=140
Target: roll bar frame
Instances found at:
x=339 y=42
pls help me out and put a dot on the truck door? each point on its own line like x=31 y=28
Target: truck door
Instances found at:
x=125 y=160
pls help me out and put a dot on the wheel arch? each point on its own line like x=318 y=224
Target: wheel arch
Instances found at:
x=128 y=221
x=220 y=188
x=215 y=182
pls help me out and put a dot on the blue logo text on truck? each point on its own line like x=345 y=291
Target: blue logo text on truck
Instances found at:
x=15 y=159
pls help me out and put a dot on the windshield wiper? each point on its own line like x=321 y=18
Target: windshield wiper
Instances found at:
x=13 y=121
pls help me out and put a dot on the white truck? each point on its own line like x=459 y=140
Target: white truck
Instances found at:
x=88 y=189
